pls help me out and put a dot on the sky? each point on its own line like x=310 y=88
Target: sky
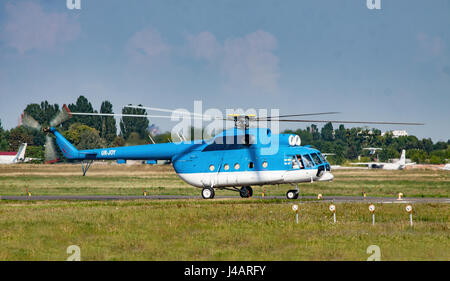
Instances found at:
x=388 y=64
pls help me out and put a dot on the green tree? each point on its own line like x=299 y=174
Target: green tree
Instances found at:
x=162 y=138
x=427 y=145
x=18 y=136
x=90 y=139
x=4 y=145
x=83 y=136
x=341 y=133
x=83 y=105
x=327 y=132
x=135 y=139
x=118 y=141
x=134 y=124
x=43 y=113
x=108 y=129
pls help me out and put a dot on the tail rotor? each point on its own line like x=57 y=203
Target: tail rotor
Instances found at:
x=64 y=114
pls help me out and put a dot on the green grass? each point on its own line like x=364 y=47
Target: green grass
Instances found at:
x=228 y=229
x=132 y=180
x=248 y=229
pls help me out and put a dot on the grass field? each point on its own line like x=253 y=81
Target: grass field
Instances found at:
x=105 y=179
x=227 y=229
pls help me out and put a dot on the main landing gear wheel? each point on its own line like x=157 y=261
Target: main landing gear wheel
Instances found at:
x=246 y=192
x=208 y=193
x=292 y=194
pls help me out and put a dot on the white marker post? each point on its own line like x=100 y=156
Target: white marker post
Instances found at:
x=295 y=209
x=332 y=209
x=409 y=210
x=372 y=210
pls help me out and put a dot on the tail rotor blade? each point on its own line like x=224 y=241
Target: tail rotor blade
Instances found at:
x=62 y=116
x=50 y=151
x=30 y=122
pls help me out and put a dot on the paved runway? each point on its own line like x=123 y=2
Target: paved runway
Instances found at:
x=304 y=199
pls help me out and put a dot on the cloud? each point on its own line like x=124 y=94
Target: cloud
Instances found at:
x=432 y=46
x=147 y=45
x=204 y=46
x=246 y=63
x=28 y=27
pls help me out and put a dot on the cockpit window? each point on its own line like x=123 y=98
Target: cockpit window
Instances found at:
x=296 y=160
x=316 y=158
x=308 y=161
x=322 y=158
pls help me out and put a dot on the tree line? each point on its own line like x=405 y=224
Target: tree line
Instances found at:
x=87 y=132
x=349 y=143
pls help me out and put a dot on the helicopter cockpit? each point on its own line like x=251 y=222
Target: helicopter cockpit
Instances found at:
x=310 y=161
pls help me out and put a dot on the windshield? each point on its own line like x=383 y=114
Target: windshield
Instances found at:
x=316 y=158
x=322 y=158
x=307 y=161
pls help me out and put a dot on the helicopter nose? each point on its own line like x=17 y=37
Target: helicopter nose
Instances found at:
x=327 y=176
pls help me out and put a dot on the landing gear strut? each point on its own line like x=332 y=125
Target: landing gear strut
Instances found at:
x=208 y=193
x=85 y=165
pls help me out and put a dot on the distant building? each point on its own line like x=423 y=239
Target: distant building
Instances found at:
x=397 y=133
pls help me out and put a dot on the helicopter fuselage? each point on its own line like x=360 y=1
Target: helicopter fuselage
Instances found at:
x=233 y=158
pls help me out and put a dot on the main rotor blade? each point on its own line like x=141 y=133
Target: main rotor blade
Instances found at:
x=296 y=115
x=63 y=115
x=346 y=122
x=130 y=115
x=118 y=115
x=174 y=111
x=30 y=122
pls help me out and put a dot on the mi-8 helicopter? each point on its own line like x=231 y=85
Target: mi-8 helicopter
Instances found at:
x=235 y=159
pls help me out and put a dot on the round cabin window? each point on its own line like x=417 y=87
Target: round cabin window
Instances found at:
x=236 y=166
x=211 y=168
x=226 y=167
x=265 y=164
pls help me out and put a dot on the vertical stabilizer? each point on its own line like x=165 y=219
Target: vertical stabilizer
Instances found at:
x=403 y=158
x=20 y=156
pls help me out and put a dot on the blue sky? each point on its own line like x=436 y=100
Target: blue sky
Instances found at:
x=391 y=64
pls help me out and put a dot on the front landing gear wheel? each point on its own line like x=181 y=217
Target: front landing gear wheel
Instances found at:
x=246 y=192
x=292 y=194
x=208 y=193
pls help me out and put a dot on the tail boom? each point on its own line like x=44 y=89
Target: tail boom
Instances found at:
x=163 y=151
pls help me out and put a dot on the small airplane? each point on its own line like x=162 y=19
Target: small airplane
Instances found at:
x=13 y=157
x=234 y=159
x=398 y=165
x=372 y=150
x=446 y=167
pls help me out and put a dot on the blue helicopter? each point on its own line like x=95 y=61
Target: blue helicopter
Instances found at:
x=235 y=159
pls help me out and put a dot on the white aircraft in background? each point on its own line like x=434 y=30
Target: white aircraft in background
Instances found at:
x=398 y=165
x=446 y=167
x=372 y=150
x=11 y=158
